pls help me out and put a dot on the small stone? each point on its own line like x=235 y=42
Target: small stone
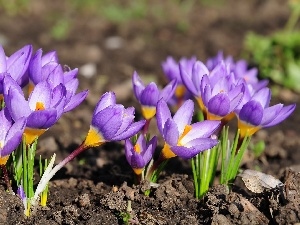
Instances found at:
x=84 y=200
x=88 y=70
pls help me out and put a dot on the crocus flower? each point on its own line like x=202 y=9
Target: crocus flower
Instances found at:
x=217 y=92
x=256 y=113
x=16 y=65
x=149 y=95
x=42 y=110
x=111 y=122
x=182 y=138
x=10 y=134
x=218 y=101
x=139 y=154
x=172 y=72
x=47 y=68
x=42 y=66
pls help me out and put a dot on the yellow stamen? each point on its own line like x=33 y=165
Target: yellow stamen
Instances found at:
x=148 y=112
x=31 y=134
x=93 y=138
x=39 y=106
x=247 y=129
x=137 y=148
x=187 y=129
x=3 y=160
x=180 y=91
x=138 y=171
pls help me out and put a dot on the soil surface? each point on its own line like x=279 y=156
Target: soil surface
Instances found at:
x=97 y=187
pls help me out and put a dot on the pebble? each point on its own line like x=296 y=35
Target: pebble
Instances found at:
x=88 y=70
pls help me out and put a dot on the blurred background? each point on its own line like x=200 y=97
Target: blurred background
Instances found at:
x=109 y=39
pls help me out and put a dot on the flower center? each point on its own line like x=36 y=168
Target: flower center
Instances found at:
x=137 y=148
x=187 y=129
x=39 y=106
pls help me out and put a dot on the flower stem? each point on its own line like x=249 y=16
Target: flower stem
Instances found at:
x=146 y=127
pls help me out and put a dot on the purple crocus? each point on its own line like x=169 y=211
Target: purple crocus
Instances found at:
x=42 y=66
x=139 y=154
x=256 y=113
x=217 y=92
x=218 y=101
x=42 y=110
x=182 y=138
x=47 y=68
x=15 y=65
x=111 y=122
x=149 y=95
x=172 y=72
x=10 y=134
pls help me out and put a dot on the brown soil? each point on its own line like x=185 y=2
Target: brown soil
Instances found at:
x=97 y=187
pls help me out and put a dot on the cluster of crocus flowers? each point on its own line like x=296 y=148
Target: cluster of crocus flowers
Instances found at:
x=224 y=89
x=110 y=122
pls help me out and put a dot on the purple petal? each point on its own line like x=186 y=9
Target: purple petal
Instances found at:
x=187 y=80
x=14 y=136
x=198 y=71
x=184 y=115
x=162 y=114
x=270 y=114
x=137 y=160
x=127 y=119
x=53 y=73
x=49 y=57
x=35 y=67
x=70 y=75
x=128 y=150
x=133 y=129
x=17 y=63
x=148 y=154
x=252 y=113
x=138 y=85
x=202 y=143
x=57 y=95
x=41 y=93
x=196 y=146
x=42 y=119
x=184 y=152
x=219 y=105
x=75 y=101
x=168 y=91
x=107 y=99
x=108 y=121
x=17 y=105
x=2 y=60
x=203 y=129
x=282 y=115
x=170 y=132
x=11 y=144
x=149 y=96
x=263 y=96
